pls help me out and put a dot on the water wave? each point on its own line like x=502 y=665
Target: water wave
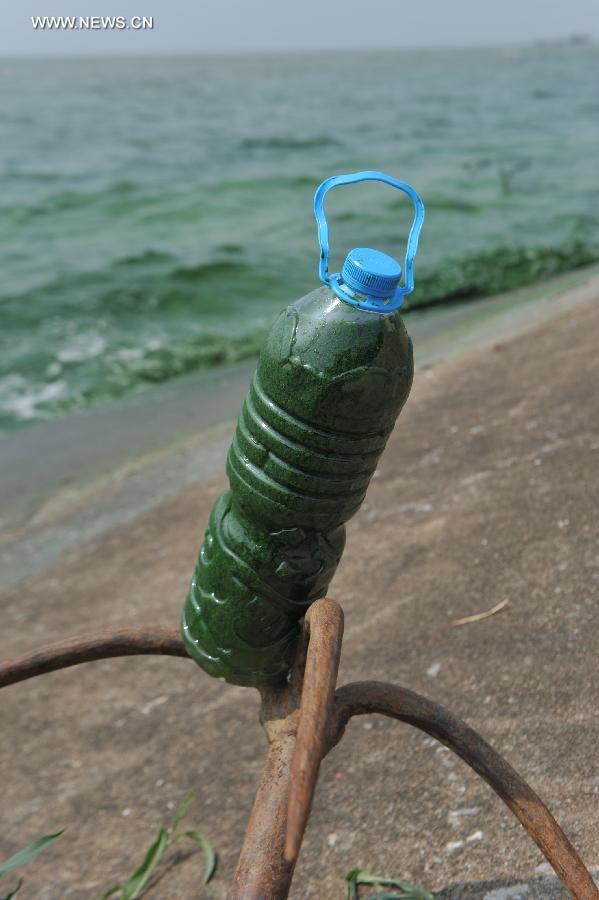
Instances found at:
x=287 y=142
x=112 y=198
x=87 y=369
x=153 y=221
x=498 y=270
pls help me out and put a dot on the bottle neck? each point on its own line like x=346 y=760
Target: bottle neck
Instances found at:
x=363 y=301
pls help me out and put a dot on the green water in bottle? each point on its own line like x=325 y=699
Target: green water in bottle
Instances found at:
x=333 y=375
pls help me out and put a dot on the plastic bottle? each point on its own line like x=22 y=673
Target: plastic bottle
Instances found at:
x=333 y=375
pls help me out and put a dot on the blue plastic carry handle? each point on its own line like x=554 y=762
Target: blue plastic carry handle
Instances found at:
x=334 y=281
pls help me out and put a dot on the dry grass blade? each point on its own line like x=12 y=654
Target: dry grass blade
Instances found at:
x=477 y=617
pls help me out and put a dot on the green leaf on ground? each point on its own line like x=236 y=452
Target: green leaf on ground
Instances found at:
x=208 y=852
x=12 y=893
x=143 y=873
x=112 y=890
x=28 y=853
x=166 y=838
x=182 y=811
x=357 y=877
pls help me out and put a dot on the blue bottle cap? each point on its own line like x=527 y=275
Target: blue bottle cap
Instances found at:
x=371 y=273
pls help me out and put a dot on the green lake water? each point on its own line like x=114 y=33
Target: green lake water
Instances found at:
x=155 y=214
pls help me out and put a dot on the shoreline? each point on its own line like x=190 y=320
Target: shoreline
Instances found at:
x=73 y=478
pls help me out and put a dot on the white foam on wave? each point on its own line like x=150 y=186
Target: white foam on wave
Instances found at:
x=24 y=400
x=85 y=345
x=130 y=354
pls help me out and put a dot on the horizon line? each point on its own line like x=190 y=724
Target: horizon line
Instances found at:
x=541 y=43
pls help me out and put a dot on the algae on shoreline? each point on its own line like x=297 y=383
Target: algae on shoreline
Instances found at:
x=75 y=476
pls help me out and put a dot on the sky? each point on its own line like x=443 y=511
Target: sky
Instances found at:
x=233 y=26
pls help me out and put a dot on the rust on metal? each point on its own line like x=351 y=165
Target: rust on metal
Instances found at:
x=303 y=719
x=324 y=626
x=262 y=871
x=101 y=645
x=298 y=740
x=399 y=703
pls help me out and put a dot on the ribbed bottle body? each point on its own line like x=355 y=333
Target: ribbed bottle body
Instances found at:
x=329 y=385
